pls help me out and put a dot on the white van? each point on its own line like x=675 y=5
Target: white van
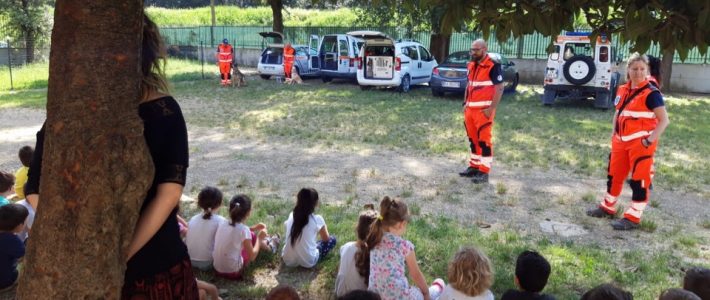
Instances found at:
x=384 y=62
x=337 y=54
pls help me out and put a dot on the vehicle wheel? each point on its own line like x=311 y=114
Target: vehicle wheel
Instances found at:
x=579 y=69
x=437 y=93
x=365 y=87
x=548 y=98
x=510 y=87
x=265 y=76
x=405 y=84
x=326 y=79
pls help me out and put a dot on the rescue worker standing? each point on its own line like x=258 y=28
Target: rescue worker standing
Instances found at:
x=483 y=93
x=639 y=122
x=288 y=60
x=225 y=54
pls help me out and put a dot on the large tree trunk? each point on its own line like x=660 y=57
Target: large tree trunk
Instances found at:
x=276 y=8
x=439 y=45
x=666 y=69
x=96 y=166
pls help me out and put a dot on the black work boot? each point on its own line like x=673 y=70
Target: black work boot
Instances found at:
x=624 y=224
x=469 y=172
x=597 y=212
x=480 y=178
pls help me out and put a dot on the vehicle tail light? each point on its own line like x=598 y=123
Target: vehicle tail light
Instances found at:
x=352 y=62
x=398 y=64
x=435 y=71
x=358 y=60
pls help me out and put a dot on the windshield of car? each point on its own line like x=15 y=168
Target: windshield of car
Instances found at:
x=458 y=58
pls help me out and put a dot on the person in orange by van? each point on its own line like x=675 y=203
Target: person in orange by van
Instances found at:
x=484 y=90
x=225 y=54
x=639 y=122
x=289 y=58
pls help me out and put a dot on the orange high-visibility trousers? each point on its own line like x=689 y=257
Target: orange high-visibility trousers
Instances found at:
x=630 y=156
x=288 y=66
x=225 y=68
x=478 y=129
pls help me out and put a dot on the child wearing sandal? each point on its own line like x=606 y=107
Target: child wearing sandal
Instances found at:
x=235 y=243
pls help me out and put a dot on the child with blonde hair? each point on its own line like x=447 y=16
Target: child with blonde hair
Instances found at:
x=470 y=276
x=388 y=255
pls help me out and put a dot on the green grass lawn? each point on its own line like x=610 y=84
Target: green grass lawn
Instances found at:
x=571 y=136
x=575 y=268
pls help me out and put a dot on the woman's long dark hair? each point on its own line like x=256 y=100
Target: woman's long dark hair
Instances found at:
x=153 y=56
x=306 y=202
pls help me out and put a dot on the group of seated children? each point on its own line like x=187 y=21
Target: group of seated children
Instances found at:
x=229 y=245
x=375 y=267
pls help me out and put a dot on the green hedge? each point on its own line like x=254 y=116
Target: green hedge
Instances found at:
x=231 y=15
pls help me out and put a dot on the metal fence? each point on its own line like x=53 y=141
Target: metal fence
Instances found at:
x=190 y=42
x=530 y=46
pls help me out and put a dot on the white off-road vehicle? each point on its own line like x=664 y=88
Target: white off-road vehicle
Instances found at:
x=578 y=70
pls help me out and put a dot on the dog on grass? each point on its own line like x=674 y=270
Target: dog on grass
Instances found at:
x=238 y=79
x=295 y=78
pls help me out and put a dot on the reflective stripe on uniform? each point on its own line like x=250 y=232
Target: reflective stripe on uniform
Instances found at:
x=480 y=83
x=487 y=161
x=479 y=103
x=608 y=204
x=225 y=60
x=638 y=114
x=635 y=135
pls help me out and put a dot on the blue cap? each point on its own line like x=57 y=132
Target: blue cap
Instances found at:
x=225 y=41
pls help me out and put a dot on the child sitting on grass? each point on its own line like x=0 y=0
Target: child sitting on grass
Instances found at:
x=348 y=278
x=607 y=291
x=678 y=294
x=470 y=276
x=25 y=155
x=235 y=243
x=302 y=229
x=531 y=274
x=12 y=220
x=203 y=227
x=697 y=280
x=389 y=255
x=7 y=182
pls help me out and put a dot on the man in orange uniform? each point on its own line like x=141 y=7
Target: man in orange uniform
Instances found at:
x=639 y=122
x=225 y=53
x=289 y=58
x=484 y=90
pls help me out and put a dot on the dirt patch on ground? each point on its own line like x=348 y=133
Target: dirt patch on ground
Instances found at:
x=528 y=201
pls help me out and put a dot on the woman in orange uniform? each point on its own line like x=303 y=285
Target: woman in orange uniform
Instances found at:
x=639 y=122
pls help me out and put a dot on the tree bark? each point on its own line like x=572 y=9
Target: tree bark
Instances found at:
x=666 y=69
x=96 y=166
x=439 y=46
x=276 y=9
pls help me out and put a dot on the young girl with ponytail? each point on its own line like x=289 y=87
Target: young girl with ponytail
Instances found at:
x=349 y=278
x=203 y=227
x=302 y=229
x=236 y=244
x=385 y=255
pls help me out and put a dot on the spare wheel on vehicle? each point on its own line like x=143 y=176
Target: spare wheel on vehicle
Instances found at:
x=579 y=69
